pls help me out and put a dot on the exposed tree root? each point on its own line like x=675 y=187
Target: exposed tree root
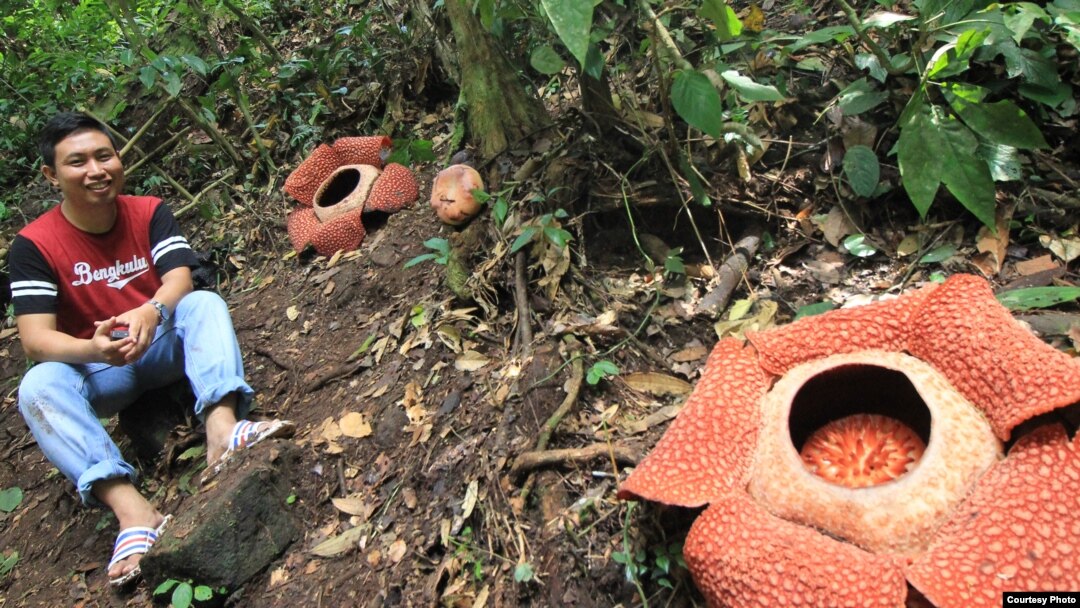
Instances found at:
x=529 y=461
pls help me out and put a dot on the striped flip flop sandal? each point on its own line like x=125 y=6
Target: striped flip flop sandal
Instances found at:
x=136 y=540
x=246 y=434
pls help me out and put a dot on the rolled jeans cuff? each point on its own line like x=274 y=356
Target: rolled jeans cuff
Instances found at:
x=212 y=395
x=109 y=469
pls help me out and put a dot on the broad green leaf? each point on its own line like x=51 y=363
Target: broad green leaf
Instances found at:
x=418 y=259
x=545 y=60
x=750 y=90
x=600 y=370
x=147 y=76
x=523 y=572
x=164 y=587
x=920 y=169
x=859 y=97
x=182 y=595
x=172 y=83
x=857 y=246
x=723 y=17
x=10 y=499
x=557 y=236
x=938 y=254
x=523 y=239
x=884 y=19
x=862 y=169
x=965 y=175
x=697 y=189
x=1001 y=122
x=196 y=63
x=870 y=63
x=1003 y=161
x=1037 y=297
x=438 y=244
x=696 y=100
x=573 y=23
x=814 y=309
x=833 y=33
x=8 y=563
x=203 y=593
x=1020 y=16
x=1056 y=96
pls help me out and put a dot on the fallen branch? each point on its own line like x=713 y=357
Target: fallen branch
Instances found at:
x=732 y=272
x=269 y=354
x=529 y=461
x=524 y=337
x=341 y=371
x=143 y=129
x=195 y=200
x=129 y=169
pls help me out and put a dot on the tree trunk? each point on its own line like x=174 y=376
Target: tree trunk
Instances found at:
x=500 y=110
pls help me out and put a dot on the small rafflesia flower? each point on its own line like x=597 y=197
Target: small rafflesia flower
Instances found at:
x=856 y=458
x=337 y=185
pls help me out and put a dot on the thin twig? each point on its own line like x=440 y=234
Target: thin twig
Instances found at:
x=144 y=128
x=132 y=168
x=875 y=48
x=538 y=459
x=195 y=200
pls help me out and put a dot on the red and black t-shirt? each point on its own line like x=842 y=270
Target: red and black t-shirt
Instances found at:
x=83 y=277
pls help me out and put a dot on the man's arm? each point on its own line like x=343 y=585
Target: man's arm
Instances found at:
x=42 y=342
x=143 y=320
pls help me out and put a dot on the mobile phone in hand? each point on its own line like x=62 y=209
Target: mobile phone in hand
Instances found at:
x=118 y=333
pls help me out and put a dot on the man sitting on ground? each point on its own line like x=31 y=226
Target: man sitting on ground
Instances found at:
x=102 y=290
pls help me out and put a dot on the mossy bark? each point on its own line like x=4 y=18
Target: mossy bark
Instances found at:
x=501 y=111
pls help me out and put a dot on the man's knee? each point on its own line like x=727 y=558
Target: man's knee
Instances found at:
x=202 y=301
x=35 y=387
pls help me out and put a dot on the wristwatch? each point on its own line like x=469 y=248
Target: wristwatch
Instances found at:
x=163 y=313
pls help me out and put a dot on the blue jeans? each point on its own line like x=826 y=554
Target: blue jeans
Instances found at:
x=62 y=402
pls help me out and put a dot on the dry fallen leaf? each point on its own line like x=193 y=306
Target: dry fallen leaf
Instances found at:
x=657 y=384
x=1064 y=248
x=469 y=503
x=354 y=505
x=409 y=496
x=339 y=544
x=659 y=416
x=1037 y=265
x=397 y=550
x=374 y=557
x=470 y=361
x=692 y=353
x=293 y=313
x=354 y=425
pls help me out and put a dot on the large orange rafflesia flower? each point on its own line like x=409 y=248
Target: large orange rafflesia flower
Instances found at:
x=337 y=185
x=847 y=456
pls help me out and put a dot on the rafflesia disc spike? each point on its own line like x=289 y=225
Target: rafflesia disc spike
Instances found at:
x=862 y=450
x=961 y=523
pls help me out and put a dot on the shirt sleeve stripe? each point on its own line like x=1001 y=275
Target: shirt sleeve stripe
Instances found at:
x=168 y=245
x=173 y=247
x=25 y=284
x=32 y=292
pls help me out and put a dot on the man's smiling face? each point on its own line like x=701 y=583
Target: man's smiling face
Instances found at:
x=88 y=169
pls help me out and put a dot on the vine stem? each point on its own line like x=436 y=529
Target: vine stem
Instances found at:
x=875 y=48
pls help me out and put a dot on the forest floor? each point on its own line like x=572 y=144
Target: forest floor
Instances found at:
x=412 y=406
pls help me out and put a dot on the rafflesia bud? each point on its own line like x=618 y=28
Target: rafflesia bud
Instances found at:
x=452 y=195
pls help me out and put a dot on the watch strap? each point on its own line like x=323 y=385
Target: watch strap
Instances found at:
x=162 y=311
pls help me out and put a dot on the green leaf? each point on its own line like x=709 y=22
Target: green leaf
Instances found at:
x=965 y=175
x=172 y=83
x=920 y=170
x=814 y=309
x=196 y=63
x=600 y=370
x=523 y=572
x=862 y=169
x=7 y=564
x=870 y=63
x=723 y=17
x=663 y=562
x=859 y=97
x=557 y=236
x=696 y=100
x=438 y=244
x=164 y=587
x=423 y=257
x=147 y=76
x=1002 y=122
x=182 y=596
x=203 y=593
x=545 y=60
x=500 y=210
x=573 y=23
x=1020 y=16
x=523 y=239
x=750 y=90
x=857 y=246
x=10 y=499
x=833 y=33
x=938 y=254
x=1037 y=297
x=192 y=453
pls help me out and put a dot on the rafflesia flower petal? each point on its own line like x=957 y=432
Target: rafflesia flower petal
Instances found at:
x=947 y=361
x=305 y=180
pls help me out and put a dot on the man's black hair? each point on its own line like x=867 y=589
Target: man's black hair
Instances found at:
x=62 y=125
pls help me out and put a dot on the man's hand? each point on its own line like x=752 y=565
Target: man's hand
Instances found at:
x=142 y=324
x=110 y=351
